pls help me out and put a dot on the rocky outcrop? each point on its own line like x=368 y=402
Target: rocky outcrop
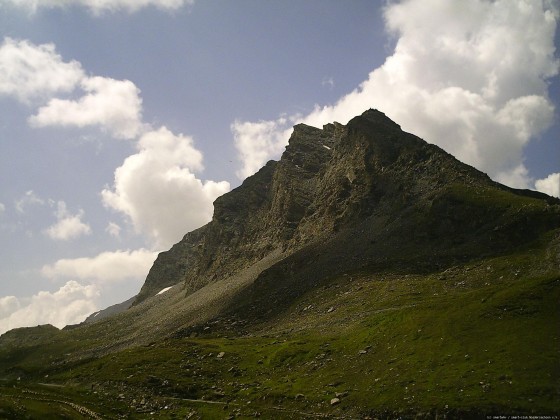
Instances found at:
x=338 y=194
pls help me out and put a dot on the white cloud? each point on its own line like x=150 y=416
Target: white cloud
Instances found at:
x=103 y=268
x=517 y=177
x=467 y=76
x=113 y=105
x=68 y=226
x=28 y=199
x=549 y=185
x=113 y=229
x=8 y=305
x=157 y=189
x=72 y=303
x=99 y=6
x=2 y=208
x=259 y=142
x=29 y=72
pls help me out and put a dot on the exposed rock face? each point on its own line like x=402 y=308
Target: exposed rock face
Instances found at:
x=251 y=221
x=338 y=194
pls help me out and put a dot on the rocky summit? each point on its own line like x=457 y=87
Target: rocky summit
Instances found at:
x=366 y=274
x=364 y=194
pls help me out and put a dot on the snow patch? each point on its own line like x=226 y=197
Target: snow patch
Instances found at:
x=164 y=290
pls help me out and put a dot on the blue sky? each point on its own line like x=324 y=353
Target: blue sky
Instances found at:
x=123 y=120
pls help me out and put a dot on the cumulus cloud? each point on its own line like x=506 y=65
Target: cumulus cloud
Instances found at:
x=99 y=6
x=37 y=73
x=8 y=305
x=69 y=226
x=157 y=188
x=112 y=105
x=29 y=72
x=470 y=77
x=549 y=185
x=28 y=199
x=70 y=304
x=85 y=279
x=259 y=142
x=106 y=267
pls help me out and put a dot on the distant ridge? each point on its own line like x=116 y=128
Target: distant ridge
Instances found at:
x=110 y=311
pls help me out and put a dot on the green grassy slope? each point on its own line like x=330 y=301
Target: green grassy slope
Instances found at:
x=477 y=338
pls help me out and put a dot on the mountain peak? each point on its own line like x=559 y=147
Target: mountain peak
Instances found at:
x=377 y=117
x=368 y=175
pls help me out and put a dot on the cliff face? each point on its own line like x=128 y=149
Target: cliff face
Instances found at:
x=251 y=221
x=366 y=189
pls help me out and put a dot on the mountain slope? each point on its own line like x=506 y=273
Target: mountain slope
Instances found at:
x=365 y=193
x=366 y=265
x=475 y=339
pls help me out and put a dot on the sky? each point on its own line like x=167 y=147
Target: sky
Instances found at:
x=123 y=120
